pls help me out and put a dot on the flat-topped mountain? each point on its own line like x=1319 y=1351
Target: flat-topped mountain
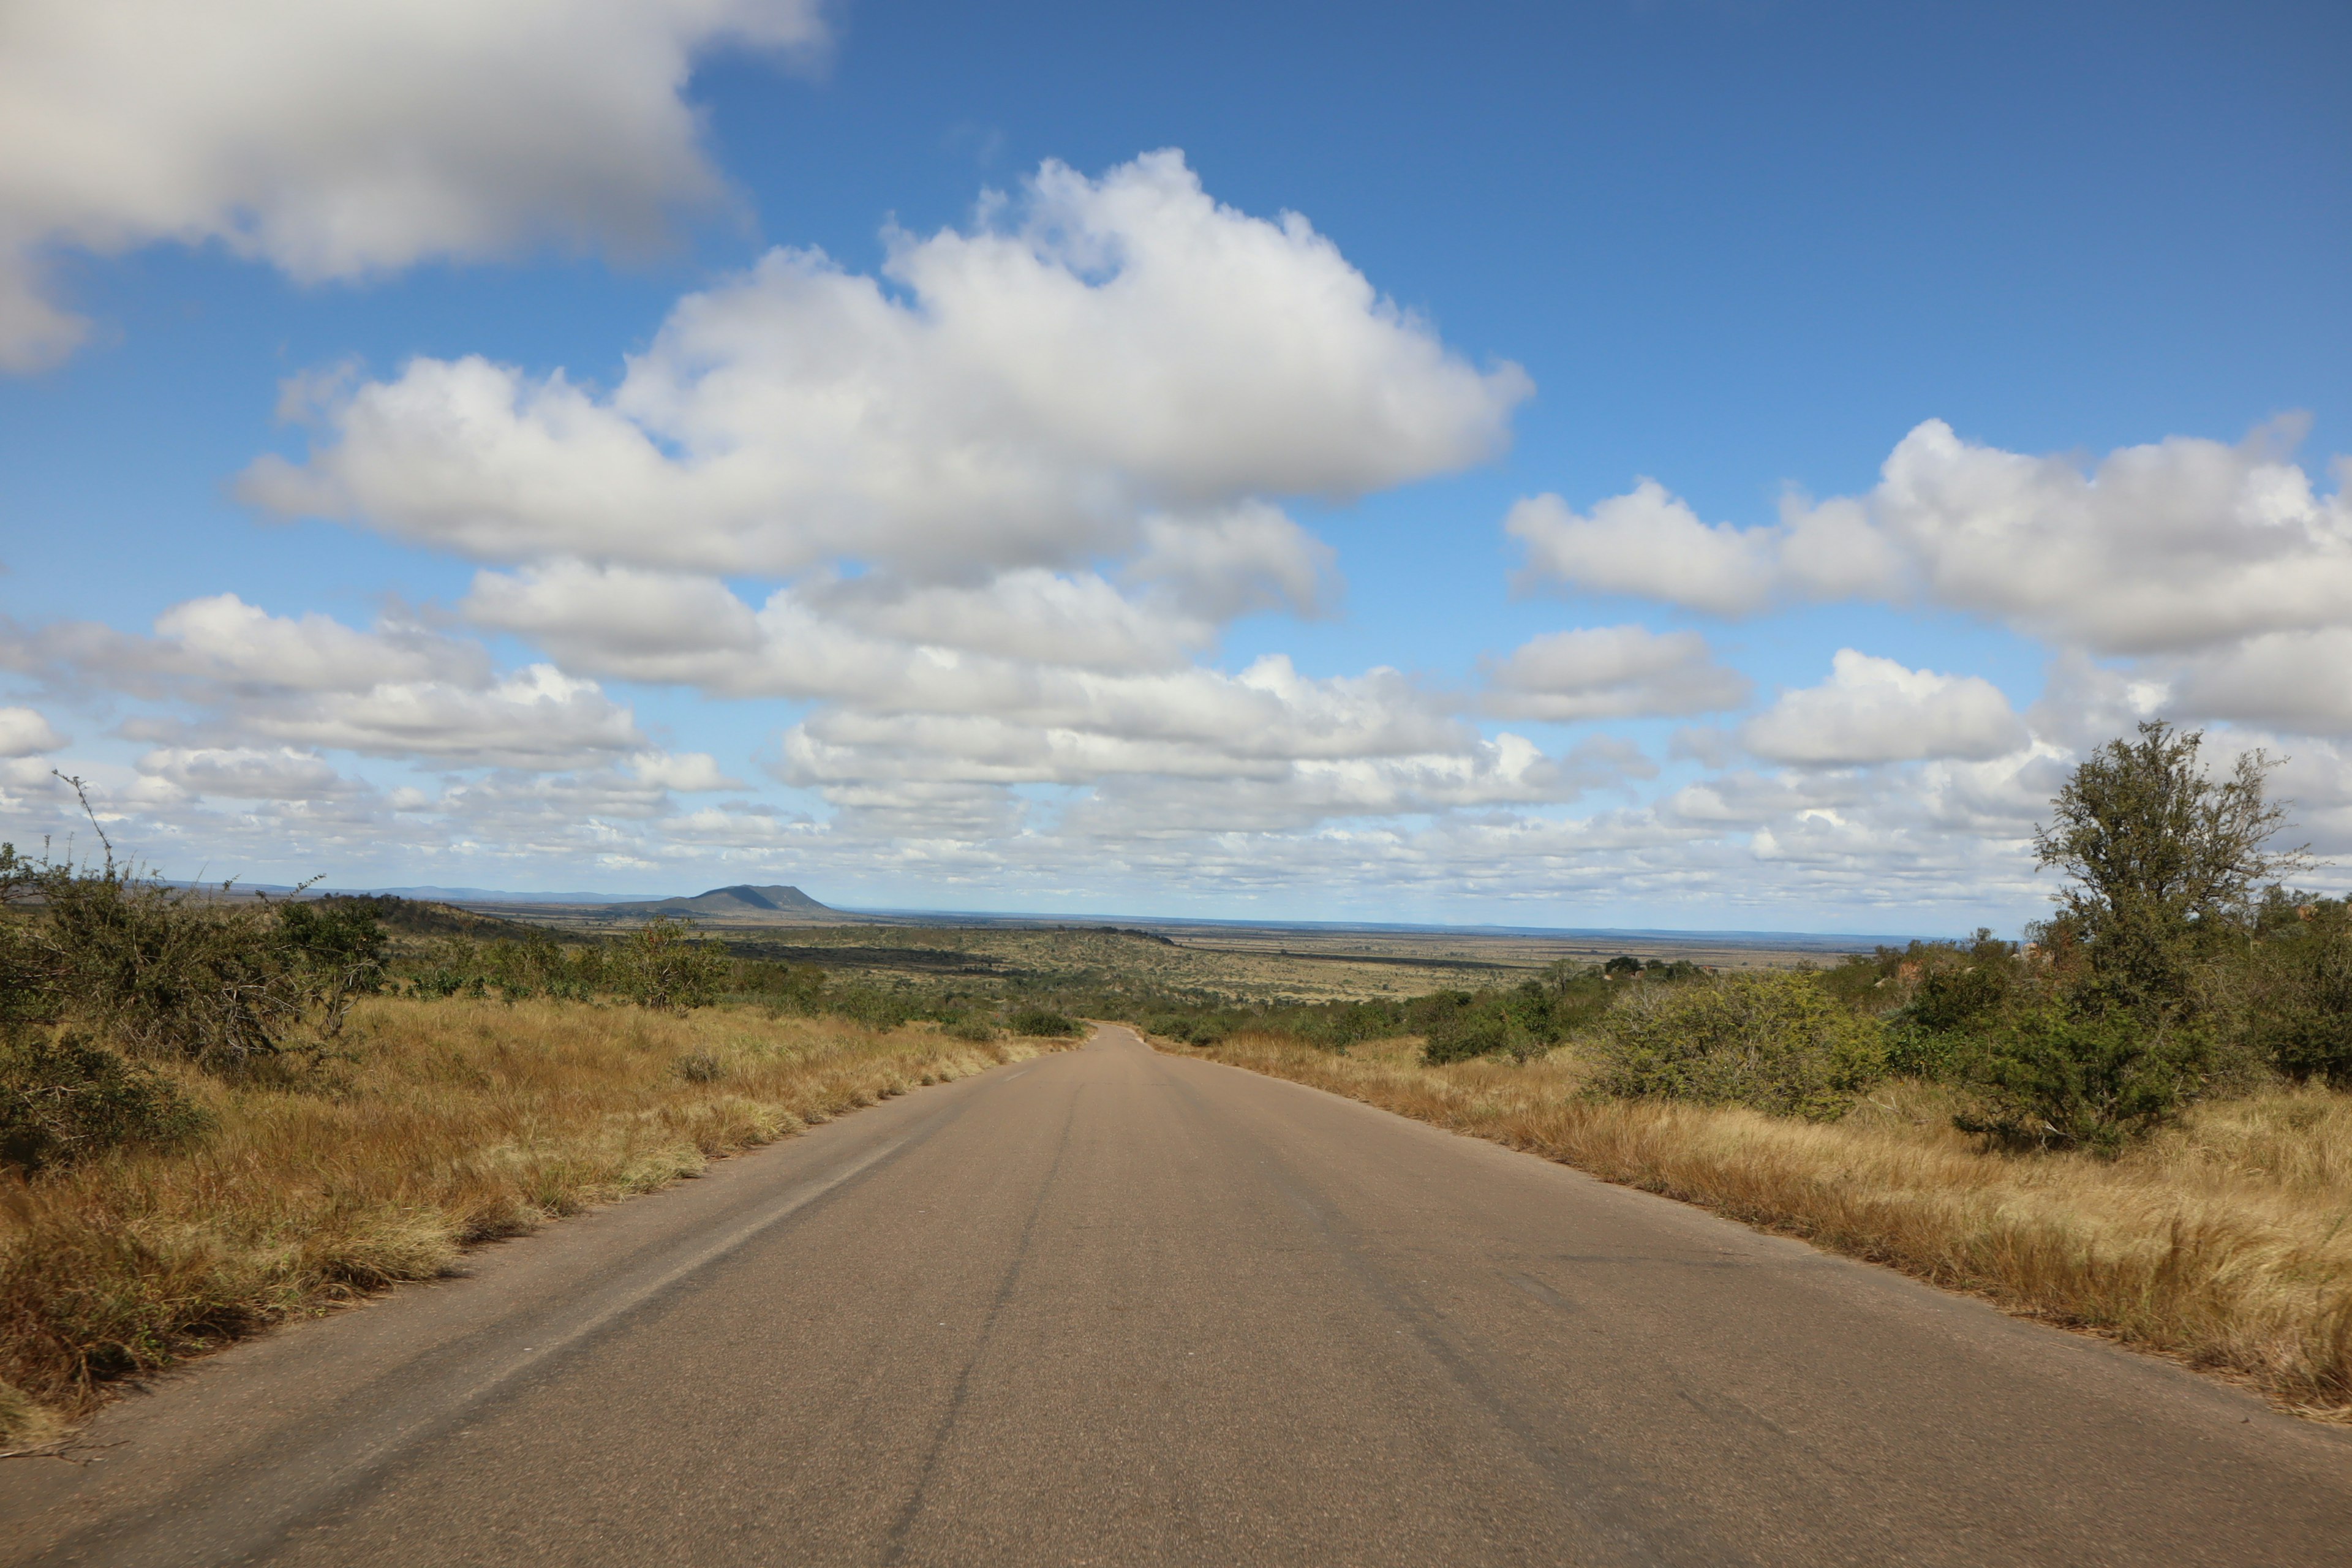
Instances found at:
x=738 y=900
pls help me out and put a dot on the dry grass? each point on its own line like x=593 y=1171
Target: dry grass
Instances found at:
x=454 y=1122
x=2225 y=1242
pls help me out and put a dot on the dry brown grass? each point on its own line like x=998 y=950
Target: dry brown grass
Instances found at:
x=2225 y=1242
x=454 y=1122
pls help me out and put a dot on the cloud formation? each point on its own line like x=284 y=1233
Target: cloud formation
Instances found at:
x=2167 y=548
x=24 y=732
x=1875 y=711
x=340 y=140
x=1613 y=672
x=1094 y=353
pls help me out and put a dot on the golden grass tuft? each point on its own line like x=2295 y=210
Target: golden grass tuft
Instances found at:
x=2225 y=1242
x=454 y=1122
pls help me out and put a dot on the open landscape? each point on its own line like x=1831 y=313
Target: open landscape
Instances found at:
x=1242 y=785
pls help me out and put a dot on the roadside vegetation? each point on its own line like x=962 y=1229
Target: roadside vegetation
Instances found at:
x=217 y=1113
x=2137 y=1122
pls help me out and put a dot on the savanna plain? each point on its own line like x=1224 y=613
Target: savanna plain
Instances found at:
x=219 y=1112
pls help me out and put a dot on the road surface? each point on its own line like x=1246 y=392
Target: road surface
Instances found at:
x=1111 y=1307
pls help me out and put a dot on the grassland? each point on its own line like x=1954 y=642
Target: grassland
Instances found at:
x=442 y=1124
x=1239 y=965
x=2224 y=1241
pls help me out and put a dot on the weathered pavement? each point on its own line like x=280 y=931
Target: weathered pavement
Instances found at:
x=1111 y=1307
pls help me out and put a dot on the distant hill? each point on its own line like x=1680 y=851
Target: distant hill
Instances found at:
x=736 y=902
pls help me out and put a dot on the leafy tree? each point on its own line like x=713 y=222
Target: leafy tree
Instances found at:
x=2164 y=861
x=2160 y=854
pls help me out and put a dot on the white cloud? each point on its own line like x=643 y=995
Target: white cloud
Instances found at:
x=1613 y=672
x=1647 y=544
x=688 y=772
x=1096 y=352
x=2157 y=549
x=224 y=638
x=244 y=773
x=25 y=733
x=537 y=717
x=239 y=675
x=334 y=140
x=1876 y=710
x=1223 y=565
x=2299 y=680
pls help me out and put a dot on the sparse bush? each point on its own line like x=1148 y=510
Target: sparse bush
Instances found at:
x=699 y=1067
x=1776 y=1042
x=1043 y=1023
x=870 y=1006
x=665 y=965
x=63 y=1098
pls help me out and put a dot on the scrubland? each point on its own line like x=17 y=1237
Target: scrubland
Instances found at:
x=434 y=1124
x=2222 y=1238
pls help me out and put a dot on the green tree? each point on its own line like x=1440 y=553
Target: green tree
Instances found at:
x=2161 y=856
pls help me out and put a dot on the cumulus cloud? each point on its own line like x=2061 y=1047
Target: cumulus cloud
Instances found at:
x=688 y=772
x=1876 y=710
x=1094 y=353
x=1647 y=544
x=2165 y=548
x=1613 y=672
x=1224 y=564
x=338 y=141
x=245 y=772
x=24 y=732
x=240 y=674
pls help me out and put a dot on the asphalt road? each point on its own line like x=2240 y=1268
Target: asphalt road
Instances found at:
x=1111 y=1307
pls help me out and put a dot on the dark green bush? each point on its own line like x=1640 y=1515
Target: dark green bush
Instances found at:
x=1485 y=1028
x=63 y=1098
x=1043 y=1023
x=2301 y=1003
x=1776 y=1042
x=2053 y=1076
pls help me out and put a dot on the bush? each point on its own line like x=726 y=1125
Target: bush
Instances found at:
x=2056 y=1076
x=867 y=1005
x=1483 y=1026
x=63 y=1098
x=1778 y=1043
x=2302 y=986
x=698 y=1067
x=973 y=1026
x=665 y=965
x=1043 y=1023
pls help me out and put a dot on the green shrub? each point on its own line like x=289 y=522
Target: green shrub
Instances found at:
x=973 y=1026
x=1778 y=1042
x=1043 y=1023
x=665 y=965
x=63 y=1098
x=870 y=1006
x=2054 y=1076
x=2302 y=990
x=1486 y=1027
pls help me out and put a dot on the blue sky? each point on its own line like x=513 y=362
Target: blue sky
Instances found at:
x=1745 y=252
